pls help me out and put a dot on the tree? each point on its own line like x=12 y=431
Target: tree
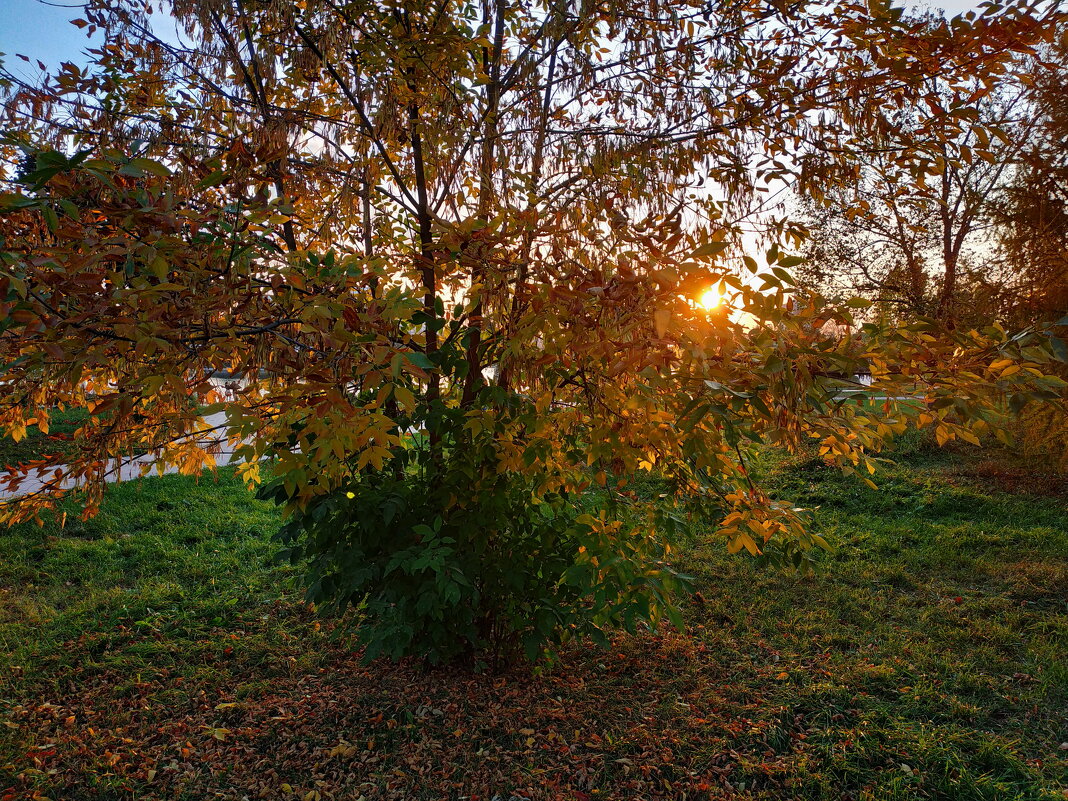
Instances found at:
x=1032 y=217
x=918 y=229
x=912 y=230
x=453 y=247
x=1032 y=232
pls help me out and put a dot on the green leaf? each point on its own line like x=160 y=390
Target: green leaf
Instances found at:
x=1060 y=349
x=50 y=217
x=784 y=276
x=419 y=360
x=708 y=249
x=10 y=201
x=213 y=179
x=151 y=167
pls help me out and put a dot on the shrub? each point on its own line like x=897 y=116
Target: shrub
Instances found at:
x=462 y=561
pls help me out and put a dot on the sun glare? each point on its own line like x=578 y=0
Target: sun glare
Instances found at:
x=711 y=298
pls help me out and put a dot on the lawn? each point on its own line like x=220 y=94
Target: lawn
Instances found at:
x=37 y=445
x=157 y=652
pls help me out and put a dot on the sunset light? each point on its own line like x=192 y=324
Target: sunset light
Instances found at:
x=711 y=297
x=550 y=355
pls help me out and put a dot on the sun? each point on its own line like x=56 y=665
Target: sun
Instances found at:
x=711 y=297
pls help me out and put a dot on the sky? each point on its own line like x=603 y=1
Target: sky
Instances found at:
x=42 y=30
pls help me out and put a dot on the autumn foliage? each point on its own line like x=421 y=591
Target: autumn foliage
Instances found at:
x=452 y=251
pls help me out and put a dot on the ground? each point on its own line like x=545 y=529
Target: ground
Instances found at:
x=158 y=652
x=36 y=445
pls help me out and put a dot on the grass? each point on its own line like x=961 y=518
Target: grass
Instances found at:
x=59 y=439
x=156 y=652
x=36 y=445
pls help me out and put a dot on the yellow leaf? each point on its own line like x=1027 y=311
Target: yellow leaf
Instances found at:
x=404 y=396
x=249 y=473
x=661 y=319
x=750 y=545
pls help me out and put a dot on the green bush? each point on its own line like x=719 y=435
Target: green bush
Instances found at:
x=458 y=561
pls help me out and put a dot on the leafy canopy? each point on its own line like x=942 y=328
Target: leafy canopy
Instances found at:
x=452 y=251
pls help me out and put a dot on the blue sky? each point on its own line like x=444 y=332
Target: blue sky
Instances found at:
x=40 y=31
x=43 y=31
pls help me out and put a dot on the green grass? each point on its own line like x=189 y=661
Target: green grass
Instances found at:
x=157 y=652
x=59 y=439
x=35 y=445
x=936 y=638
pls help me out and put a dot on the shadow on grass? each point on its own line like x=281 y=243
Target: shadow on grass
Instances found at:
x=157 y=652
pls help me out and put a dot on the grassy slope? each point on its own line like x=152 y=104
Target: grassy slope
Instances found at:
x=154 y=653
